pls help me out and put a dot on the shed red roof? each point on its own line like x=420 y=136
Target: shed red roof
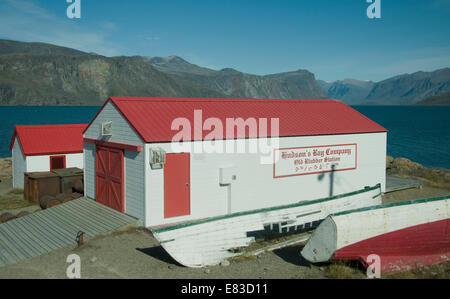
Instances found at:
x=152 y=117
x=49 y=139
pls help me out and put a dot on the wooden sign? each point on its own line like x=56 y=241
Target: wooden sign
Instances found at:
x=312 y=160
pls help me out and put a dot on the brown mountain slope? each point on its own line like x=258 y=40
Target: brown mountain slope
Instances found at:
x=84 y=80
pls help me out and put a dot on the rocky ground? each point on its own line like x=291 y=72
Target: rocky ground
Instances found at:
x=431 y=177
x=135 y=254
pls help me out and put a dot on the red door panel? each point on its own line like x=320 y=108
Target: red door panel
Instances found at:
x=57 y=162
x=109 y=178
x=177 y=189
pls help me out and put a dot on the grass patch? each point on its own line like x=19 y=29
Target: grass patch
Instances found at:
x=14 y=200
x=347 y=270
x=243 y=258
x=16 y=191
x=343 y=270
x=438 y=271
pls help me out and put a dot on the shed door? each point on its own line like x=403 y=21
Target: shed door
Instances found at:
x=109 y=178
x=177 y=189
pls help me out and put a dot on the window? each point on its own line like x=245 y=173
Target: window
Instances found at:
x=57 y=162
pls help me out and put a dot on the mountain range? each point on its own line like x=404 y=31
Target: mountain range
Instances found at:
x=44 y=74
x=232 y=83
x=405 y=89
x=37 y=74
x=350 y=91
x=442 y=99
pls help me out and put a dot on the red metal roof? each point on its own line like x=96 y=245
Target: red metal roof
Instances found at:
x=152 y=117
x=49 y=139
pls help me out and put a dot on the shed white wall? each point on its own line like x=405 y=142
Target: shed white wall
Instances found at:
x=89 y=170
x=18 y=165
x=255 y=186
x=134 y=170
x=42 y=163
x=22 y=163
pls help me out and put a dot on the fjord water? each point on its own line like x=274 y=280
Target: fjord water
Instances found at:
x=39 y=115
x=419 y=133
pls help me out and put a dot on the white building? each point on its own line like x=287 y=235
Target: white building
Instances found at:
x=324 y=148
x=37 y=148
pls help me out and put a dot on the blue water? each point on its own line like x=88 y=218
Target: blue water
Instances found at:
x=39 y=115
x=420 y=133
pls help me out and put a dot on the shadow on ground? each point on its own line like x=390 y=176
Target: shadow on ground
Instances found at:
x=159 y=253
x=292 y=255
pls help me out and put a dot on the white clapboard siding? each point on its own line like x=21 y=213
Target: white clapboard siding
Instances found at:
x=134 y=184
x=255 y=186
x=122 y=132
x=134 y=179
x=89 y=169
x=208 y=242
x=18 y=165
x=42 y=162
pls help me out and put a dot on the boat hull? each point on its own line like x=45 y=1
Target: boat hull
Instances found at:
x=208 y=242
x=403 y=236
x=415 y=246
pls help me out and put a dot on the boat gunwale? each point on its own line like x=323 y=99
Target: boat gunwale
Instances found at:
x=390 y=205
x=263 y=210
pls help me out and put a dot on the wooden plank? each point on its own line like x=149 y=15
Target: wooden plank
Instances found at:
x=85 y=218
x=22 y=229
x=32 y=243
x=397 y=184
x=7 y=254
x=103 y=219
x=108 y=212
x=17 y=241
x=57 y=227
x=93 y=219
x=295 y=241
x=58 y=234
x=42 y=236
x=71 y=223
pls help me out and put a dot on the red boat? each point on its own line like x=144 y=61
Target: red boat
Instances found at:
x=403 y=235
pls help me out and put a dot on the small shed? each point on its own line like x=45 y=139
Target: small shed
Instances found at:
x=160 y=159
x=39 y=148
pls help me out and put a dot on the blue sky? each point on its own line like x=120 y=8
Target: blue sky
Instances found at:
x=333 y=39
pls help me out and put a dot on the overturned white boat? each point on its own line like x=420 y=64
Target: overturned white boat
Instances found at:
x=210 y=241
x=402 y=235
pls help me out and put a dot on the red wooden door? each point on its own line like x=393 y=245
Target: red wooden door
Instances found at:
x=57 y=162
x=109 y=178
x=177 y=189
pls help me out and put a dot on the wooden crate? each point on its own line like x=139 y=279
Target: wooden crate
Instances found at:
x=38 y=184
x=68 y=177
